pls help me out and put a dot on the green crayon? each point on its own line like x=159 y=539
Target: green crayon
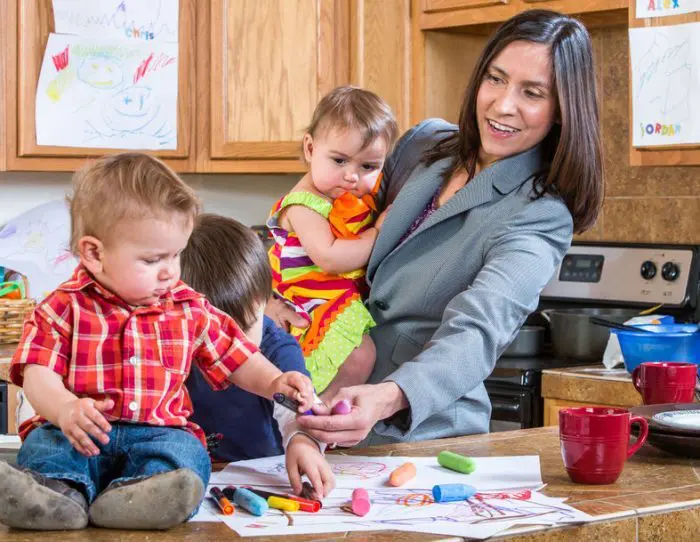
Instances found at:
x=453 y=461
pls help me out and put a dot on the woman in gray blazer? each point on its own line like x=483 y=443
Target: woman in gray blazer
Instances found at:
x=481 y=215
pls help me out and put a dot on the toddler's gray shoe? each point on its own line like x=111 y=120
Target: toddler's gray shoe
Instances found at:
x=160 y=501
x=29 y=500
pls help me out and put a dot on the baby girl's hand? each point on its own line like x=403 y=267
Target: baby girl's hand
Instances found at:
x=380 y=219
x=295 y=386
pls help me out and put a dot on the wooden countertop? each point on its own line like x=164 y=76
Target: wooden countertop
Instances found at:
x=656 y=498
x=6 y=352
x=591 y=384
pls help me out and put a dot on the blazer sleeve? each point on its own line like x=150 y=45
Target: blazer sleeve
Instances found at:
x=477 y=325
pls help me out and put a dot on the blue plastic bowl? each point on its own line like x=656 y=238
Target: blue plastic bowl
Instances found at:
x=671 y=342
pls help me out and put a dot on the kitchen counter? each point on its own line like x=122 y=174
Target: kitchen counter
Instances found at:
x=656 y=498
x=590 y=385
x=6 y=352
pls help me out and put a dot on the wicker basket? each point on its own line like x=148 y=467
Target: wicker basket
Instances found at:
x=13 y=312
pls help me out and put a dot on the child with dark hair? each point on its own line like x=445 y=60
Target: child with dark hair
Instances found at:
x=226 y=261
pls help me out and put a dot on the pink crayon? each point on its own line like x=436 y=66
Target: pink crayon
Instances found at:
x=342 y=407
x=360 y=502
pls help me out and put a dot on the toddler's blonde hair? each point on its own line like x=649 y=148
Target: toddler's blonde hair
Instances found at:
x=125 y=186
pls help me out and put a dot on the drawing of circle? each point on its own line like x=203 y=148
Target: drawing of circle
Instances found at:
x=131 y=109
x=415 y=499
x=101 y=72
x=362 y=471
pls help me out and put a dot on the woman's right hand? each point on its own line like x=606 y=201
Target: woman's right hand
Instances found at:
x=283 y=316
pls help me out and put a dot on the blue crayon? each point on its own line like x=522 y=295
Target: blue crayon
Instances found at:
x=248 y=500
x=453 y=492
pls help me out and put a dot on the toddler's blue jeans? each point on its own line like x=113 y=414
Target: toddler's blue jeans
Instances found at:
x=134 y=451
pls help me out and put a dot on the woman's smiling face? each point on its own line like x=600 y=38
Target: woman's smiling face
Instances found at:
x=516 y=104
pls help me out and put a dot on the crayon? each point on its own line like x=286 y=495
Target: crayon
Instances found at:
x=307 y=491
x=360 y=502
x=248 y=500
x=402 y=474
x=456 y=462
x=453 y=492
x=305 y=505
x=342 y=407
x=291 y=404
x=281 y=503
x=221 y=500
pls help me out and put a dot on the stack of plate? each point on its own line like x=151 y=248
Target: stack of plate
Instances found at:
x=673 y=428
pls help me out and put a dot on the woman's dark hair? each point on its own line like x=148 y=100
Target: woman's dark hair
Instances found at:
x=572 y=150
x=226 y=261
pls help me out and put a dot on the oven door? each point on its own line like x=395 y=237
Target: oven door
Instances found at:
x=514 y=407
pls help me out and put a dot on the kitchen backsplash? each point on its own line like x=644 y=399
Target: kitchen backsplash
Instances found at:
x=642 y=204
x=247 y=198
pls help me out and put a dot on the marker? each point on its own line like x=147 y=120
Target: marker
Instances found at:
x=453 y=492
x=248 y=500
x=281 y=503
x=402 y=474
x=342 y=407
x=360 y=502
x=222 y=501
x=305 y=505
x=307 y=491
x=291 y=404
x=459 y=463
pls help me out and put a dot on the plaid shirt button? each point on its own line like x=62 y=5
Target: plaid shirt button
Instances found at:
x=133 y=406
x=133 y=360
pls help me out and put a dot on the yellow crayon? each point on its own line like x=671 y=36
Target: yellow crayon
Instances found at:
x=281 y=503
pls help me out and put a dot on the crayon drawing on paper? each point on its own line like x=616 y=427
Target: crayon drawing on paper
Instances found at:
x=144 y=20
x=107 y=93
x=665 y=85
x=665 y=8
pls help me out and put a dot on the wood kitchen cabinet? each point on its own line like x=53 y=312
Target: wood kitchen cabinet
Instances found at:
x=459 y=13
x=25 y=26
x=250 y=74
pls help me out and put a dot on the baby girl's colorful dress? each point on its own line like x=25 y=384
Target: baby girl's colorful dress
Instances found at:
x=332 y=304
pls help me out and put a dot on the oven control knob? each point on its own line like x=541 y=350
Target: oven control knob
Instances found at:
x=648 y=270
x=670 y=271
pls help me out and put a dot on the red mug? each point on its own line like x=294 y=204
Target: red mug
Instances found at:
x=665 y=382
x=595 y=442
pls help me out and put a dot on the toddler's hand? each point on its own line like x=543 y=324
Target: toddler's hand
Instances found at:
x=82 y=418
x=304 y=457
x=380 y=219
x=295 y=386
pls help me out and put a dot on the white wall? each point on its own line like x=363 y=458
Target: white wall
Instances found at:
x=247 y=198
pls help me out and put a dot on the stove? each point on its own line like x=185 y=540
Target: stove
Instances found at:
x=613 y=275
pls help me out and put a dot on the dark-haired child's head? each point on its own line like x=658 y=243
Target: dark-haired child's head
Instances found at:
x=226 y=261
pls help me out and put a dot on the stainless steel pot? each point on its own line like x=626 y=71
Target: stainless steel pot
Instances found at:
x=528 y=342
x=573 y=335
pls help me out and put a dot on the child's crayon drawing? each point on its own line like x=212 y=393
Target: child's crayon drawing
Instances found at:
x=145 y=20
x=102 y=93
x=665 y=103
x=665 y=8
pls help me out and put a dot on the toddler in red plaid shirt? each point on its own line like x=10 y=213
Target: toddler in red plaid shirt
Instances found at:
x=104 y=359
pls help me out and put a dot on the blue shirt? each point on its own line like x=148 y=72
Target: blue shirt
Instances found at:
x=244 y=419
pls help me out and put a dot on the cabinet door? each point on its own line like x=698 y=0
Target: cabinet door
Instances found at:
x=575 y=6
x=444 y=5
x=270 y=63
x=33 y=21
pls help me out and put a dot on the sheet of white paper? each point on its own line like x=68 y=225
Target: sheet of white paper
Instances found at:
x=664 y=8
x=482 y=516
x=133 y=19
x=373 y=472
x=10 y=442
x=665 y=85
x=102 y=93
x=37 y=245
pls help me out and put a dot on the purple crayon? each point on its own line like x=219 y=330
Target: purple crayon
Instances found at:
x=291 y=404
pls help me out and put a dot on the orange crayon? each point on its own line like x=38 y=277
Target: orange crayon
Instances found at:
x=403 y=474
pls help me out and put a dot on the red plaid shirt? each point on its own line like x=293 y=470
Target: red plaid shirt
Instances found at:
x=138 y=357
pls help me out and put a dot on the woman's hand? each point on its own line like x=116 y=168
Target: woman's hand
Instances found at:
x=283 y=316
x=370 y=403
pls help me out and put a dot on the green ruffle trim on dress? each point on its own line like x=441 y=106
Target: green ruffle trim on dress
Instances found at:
x=344 y=334
x=307 y=199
